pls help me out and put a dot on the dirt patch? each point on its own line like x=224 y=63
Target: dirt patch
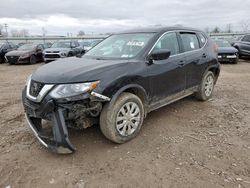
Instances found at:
x=185 y=144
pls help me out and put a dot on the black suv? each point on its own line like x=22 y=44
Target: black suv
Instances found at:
x=243 y=46
x=118 y=82
x=4 y=48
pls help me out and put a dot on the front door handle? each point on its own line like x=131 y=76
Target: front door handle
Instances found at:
x=181 y=63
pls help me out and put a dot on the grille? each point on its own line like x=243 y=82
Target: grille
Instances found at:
x=35 y=88
x=52 y=56
x=12 y=59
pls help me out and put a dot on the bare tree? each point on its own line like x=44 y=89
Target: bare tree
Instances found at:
x=81 y=33
x=245 y=25
x=15 y=33
x=229 y=28
x=216 y=30
x=44 y=32
x=24 y=33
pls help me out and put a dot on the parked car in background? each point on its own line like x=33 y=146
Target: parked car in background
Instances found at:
x=27 y=53
x=92 y=44
x=84 y=45
x=62 y=49
x=21 y=43
x=6 y=47
x=47 y=45
x=243 y=45
x=118 y=82
x=226 y=52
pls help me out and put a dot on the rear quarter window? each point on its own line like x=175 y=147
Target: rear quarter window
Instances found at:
x=202 y=39
x=190 y=41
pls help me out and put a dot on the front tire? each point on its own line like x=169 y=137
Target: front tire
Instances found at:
x=122 y=121
x=206 y=87
x=33 y=59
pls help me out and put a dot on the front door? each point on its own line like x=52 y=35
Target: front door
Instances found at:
x=167 y=77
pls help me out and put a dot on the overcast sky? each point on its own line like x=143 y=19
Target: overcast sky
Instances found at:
x=59 y=17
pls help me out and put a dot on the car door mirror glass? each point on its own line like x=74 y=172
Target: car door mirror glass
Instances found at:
x=160 y=55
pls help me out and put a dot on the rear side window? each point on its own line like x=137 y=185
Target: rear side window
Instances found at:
x=202 y=39
x=190 y=41
x=168 y=42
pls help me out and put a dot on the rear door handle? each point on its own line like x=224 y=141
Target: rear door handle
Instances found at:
x=181 y=63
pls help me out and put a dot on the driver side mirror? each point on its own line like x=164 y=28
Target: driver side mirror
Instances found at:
x=160 y=55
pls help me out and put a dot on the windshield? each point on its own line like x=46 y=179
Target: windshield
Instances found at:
x=27 y=47
x=95 y=43
x=121 y=46
x=222 y=43
x=61 y=44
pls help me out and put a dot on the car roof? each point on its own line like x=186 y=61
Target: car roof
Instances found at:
x=157 y=29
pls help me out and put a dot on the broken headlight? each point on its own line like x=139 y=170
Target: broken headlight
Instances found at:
x=70 y=90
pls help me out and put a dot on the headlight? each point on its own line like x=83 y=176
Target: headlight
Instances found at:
x=70 y=90
x=63 y=54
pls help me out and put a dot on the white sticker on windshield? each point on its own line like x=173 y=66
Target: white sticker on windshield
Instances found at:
x=124 y=55
x=192 y=45
x=135 y=43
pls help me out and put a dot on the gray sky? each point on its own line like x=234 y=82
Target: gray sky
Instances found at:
x=99 y=16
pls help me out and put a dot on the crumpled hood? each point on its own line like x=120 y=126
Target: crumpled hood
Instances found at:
x=17 y=53
x=57 y=49
x=227 y=50
x=73 y=70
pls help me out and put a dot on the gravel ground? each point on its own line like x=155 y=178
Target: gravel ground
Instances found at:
x=185 y=144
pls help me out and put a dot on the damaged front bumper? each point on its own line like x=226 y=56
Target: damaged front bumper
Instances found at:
x=48 y=109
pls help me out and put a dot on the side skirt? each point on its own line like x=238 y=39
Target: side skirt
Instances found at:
x=172 y=98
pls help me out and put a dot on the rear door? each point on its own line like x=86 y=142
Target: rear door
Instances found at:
x=167 y=77
x=196 y=57
x=245 y=44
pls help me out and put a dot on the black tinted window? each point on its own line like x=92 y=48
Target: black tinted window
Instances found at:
x=168 y=42
x=190 y=41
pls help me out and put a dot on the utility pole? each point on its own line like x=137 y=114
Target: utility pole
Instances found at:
x=6 y=29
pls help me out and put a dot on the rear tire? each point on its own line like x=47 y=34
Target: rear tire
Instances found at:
x=206 y=87
x=122 y=121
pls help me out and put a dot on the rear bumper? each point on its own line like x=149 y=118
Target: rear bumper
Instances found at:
x=59 y=141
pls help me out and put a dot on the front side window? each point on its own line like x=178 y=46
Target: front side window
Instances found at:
x=121 y=46
x=168 y=42
x=190 y=41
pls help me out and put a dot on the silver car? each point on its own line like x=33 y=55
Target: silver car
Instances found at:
x=62 y=49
